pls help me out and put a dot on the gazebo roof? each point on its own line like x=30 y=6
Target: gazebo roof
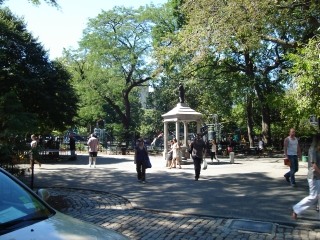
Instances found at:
x=181 y=112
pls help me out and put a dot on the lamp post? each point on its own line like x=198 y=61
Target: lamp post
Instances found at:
x=215 y=117
x=217 y=127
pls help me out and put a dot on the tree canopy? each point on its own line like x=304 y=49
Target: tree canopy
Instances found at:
x=38 y=2
x=114 y=60
x=246 y=42
x=39 y=88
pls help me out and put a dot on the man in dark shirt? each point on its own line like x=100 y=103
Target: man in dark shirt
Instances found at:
x=199 y=151
x=72 y=144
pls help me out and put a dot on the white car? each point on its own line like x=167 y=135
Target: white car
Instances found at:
x=25 y=215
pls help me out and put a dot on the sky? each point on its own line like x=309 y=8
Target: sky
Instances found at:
x=58 y=29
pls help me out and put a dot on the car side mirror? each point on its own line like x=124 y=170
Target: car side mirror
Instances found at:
x=43 y=194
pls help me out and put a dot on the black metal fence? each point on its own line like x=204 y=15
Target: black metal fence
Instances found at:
x=19 y=166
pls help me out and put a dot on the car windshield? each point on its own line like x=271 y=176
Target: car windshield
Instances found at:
x=18 y=206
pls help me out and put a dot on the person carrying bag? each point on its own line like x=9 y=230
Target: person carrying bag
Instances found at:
x=140 y=159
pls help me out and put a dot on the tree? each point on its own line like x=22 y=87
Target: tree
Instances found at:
x=40 y=88
x=35 y=93
x=245 y=37
x=38 y=2
x=305 y=89
x=113 y=59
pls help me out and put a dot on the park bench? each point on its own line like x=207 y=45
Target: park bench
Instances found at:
x=239 y=149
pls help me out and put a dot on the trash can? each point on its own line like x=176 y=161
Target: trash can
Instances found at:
x=304 y=158
x=123 y=151
x=231 y=155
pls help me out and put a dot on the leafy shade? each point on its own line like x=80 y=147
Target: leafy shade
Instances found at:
x=306 y=77
x=53 y=3
x=40 y=88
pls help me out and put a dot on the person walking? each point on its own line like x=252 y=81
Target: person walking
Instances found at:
x=313 y=178
x=292 y=151
x=198 y=149
x=175 y=154
x=34 y=153
x=140 y=159
x=72 y=144
x=213 y=150
x=170 y=154
x=260 y=147
x=93 y=145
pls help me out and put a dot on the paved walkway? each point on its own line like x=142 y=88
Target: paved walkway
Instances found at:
x=251 y=199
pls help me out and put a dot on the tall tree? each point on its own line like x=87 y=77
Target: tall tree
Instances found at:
x=38 y=2
x=306 y=77
x=248 y=37
x=113 y=59
x=40 y=87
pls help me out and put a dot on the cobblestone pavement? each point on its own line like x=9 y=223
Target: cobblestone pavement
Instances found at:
x=117 y=213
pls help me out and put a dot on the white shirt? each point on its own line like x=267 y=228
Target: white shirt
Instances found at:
x=292 y=148
x=261 y=144
x=213 y=148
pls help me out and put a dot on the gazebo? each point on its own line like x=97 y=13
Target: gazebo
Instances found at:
x=180 y=114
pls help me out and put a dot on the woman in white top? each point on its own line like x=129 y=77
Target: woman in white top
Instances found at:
x=260 y=147
x=175 y=153
x=213 y=150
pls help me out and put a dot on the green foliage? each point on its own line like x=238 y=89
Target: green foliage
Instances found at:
x=110 y=65
x=305 y=86
x=40 y=88
x=150 y=123
x=241 y=45
x=35 y=93
x=38 y=2
x=13 y=117
x=80 y=147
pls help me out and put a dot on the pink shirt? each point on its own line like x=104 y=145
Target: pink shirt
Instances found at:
x=93 y=144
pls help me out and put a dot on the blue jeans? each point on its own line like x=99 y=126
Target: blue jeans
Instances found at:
x=73 y=153
x=197 y=166
x=294 y=167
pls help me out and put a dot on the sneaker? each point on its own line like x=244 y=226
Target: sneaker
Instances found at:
x=196 y=179
x=287 y=178
x=89 y=165
x=143 y=182
x=294 y=185
x=139 y=180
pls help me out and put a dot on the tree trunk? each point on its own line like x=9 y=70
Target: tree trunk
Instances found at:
x=249 y=119
x=265 y=115
x=266 y=131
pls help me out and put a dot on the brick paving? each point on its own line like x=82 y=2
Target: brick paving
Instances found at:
x=117 y=213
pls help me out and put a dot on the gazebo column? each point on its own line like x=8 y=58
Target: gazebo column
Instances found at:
x=184 y=153
x=165 y=140
x=185 y=129
x=178 y=131
x=181 y=156
x=198 y=126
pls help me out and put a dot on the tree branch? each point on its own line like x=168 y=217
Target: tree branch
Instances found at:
x=283 y=43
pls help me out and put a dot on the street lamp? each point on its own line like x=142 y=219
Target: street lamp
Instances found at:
x=217 y=126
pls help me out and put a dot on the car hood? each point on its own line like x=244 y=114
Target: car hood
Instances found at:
x=61 y=226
